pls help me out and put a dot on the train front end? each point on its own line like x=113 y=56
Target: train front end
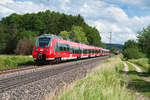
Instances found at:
x=42 y=49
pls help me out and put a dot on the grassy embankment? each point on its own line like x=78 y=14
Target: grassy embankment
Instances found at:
x=140 y=82
x=142 y=63
x=104 y=83
x=13 y=61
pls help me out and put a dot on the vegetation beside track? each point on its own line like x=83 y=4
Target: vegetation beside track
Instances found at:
x=14 y=61
x=139 y=81
x=143 y=63
x=104 y=83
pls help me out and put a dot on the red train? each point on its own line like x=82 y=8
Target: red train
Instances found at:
x=51 y=47
x=116 y=52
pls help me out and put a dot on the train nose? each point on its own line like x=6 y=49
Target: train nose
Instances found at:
x=41 y=57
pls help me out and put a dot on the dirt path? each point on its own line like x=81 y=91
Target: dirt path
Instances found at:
x=125 y=67
x=136 y=67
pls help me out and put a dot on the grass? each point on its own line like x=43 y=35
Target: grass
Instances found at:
x=130 y=67
x=133 y=74
x=137 y=82
x=142 y=63
x=14 y=61
x=105 y=83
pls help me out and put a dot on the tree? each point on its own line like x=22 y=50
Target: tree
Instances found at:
x=132 y=53
x=15 y=27
x=65 y=34
x=25 y=46
x=144 y=41
x=76 y=34
x=131 y=50
x=93 y=36
x=130 y=44
x=26 y=34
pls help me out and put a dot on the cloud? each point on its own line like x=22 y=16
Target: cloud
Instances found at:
x=144 y=4
x=20 y=7
x=64 y=5
x=106 y=15
x=110 y=18
x=6 y=1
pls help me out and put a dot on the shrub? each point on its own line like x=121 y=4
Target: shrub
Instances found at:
x=133 y=53
x=13 y=61
x=25 y=46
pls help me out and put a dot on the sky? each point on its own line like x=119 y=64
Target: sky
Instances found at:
x=124 y=18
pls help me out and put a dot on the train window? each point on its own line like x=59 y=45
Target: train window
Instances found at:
x=43 y=42
x=61 y=48
x=68 y=47
x=74 y=50
x=64 y=48
x=85 y=51
x=71 y=50
x=79 y=51
x=97 y=51
x=56 y=47
x=92 y=51
x=88 y=50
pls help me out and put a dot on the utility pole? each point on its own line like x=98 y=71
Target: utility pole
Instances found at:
x=110 y=38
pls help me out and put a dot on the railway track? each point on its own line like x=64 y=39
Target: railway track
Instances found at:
x=12 y=82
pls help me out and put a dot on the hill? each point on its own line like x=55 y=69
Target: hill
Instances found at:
x=16 y=27
x=119 y=46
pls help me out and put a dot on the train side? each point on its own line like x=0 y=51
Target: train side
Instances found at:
x=50 y=47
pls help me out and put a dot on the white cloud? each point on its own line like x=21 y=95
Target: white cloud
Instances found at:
x=64 y=6
x=6 y=1
x=109 y=18
x=144 y=4
x=106 y=16
x=9 y=6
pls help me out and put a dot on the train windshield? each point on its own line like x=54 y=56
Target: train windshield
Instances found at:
x=43 y=42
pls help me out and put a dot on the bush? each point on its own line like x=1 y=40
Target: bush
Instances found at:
x=13 y=61
x=25 y=46
x=143 y=62
x=133 y=53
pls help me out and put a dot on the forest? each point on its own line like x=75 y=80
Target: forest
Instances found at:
x=19 y=32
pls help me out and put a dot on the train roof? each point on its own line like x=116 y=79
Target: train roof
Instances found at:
x=59 y=37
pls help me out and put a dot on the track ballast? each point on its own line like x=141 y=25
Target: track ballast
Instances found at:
x=12 y=82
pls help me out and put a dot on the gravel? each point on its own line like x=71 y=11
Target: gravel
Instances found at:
x=39 y=89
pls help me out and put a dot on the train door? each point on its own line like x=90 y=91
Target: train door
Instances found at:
x=82 y=52
x=71 y=51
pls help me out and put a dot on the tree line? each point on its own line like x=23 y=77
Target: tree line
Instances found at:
x=18 y=32
x=139 y=48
